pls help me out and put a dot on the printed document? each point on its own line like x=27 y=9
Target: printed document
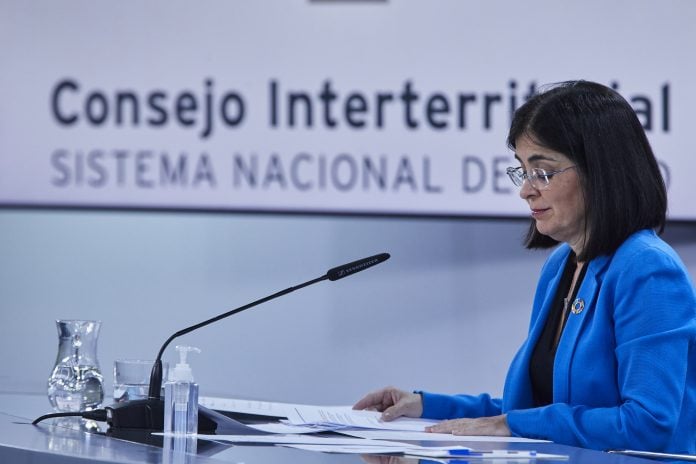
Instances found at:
x=400 y=435
x=346 y=416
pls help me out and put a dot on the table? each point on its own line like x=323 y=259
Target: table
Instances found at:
x=62 y=441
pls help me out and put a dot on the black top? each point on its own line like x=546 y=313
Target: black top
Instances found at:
x=541 y=362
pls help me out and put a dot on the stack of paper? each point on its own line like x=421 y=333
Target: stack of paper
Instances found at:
x=347 y=417
x=367 y=434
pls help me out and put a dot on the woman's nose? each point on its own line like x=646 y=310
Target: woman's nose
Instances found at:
x=527 y=190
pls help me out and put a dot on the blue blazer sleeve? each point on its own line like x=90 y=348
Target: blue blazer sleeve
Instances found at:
x=438 y=406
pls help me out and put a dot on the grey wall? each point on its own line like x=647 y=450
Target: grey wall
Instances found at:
x=446 y=313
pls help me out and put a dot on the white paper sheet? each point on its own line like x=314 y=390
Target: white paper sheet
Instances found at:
x=653 y=455
x=445 y=452
x=259 y=408
x=350 y=449
x=369 y=446
x=513 y=455
x=283 y=428
x=399 y=435
x=345 y=415
x=300 y=440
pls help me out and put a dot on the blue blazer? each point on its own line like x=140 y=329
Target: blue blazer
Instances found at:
x=624 y=375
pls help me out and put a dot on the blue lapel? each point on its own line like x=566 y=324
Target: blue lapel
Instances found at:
x=566 y=347
x=518 y=388
x=546 y=306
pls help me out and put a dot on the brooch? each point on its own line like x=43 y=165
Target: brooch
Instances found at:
x=578 y=306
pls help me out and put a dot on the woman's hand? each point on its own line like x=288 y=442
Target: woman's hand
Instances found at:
x=492 y=426
x=392 y=403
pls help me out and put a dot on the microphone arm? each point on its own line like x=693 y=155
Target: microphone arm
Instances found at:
x=333 y=274
x=156 y=374
x=148 y=414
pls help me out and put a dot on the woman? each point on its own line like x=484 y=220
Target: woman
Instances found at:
x=610 y=358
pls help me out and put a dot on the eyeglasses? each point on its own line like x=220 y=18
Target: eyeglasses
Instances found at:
x=537 y=177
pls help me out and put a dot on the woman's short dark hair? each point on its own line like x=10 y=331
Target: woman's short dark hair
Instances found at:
x=598 y=130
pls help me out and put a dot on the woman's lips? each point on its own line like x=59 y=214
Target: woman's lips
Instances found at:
x=538 y=212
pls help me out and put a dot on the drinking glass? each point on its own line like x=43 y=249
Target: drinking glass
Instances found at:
x=132 y=379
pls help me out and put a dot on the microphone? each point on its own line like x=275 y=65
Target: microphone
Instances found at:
x=149 y=413
x=340 y=272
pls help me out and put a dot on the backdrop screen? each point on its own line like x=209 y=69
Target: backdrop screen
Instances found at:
x=299 y=106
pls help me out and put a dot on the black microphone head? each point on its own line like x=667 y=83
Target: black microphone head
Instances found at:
x=340 y=272
x=155 y=380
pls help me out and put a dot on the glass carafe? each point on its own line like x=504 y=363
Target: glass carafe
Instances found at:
x=76 y=383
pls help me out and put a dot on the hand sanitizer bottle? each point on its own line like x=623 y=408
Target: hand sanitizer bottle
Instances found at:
x=181 y=397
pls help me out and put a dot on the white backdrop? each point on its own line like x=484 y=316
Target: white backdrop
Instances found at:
x=445 y=313
x=383 y=107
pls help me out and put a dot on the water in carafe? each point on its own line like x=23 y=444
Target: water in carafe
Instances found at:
x=76 y=382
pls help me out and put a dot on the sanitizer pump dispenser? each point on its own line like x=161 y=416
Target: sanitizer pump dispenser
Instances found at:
x=181 y=397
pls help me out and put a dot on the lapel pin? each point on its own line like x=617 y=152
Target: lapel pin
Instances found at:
x=578 y=306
